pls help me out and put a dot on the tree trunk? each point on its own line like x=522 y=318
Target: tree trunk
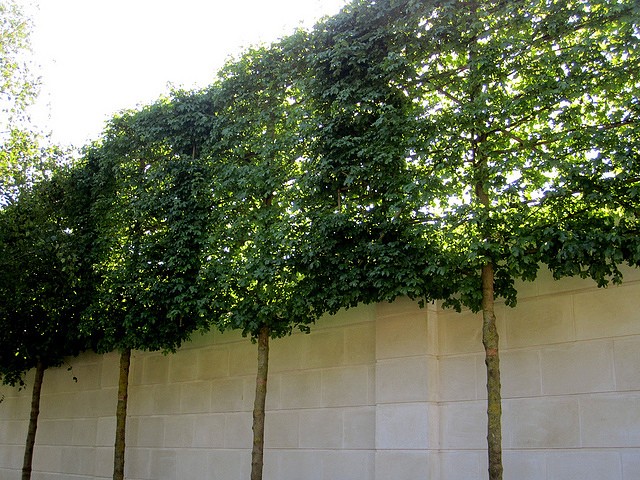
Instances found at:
x=121 y=415
x=492 y=361
x=33 y=421
x=257 y=454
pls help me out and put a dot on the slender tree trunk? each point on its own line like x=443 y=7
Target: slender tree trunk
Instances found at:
x=33 y=421
x=257 y=454
x=492 y=361
x=121 y=415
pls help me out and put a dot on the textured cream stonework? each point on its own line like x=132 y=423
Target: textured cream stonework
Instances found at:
x=378 y=392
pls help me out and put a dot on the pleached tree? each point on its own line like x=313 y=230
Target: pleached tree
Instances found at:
x=45 y=284
x=151 y=205
x=254 y=151
x=519 y=147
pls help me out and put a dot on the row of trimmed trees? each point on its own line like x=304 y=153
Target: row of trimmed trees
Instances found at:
x=439 y=150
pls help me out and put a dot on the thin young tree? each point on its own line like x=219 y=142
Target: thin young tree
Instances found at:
x=254 y=151
x=44 y=287
x=150 y=207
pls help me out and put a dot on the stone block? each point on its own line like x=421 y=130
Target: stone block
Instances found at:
x=227 y=464
x=460 y=333
x=321 y=429
x=350 y=316
x=539 y=321
x=609 y=312
x=359 y=432
x=225 y=395
x=237 y=430
x=631 y=464
x=348 y=465
x=403 y=426
x=630 y=274
x=104 y=402
x=46 y=458
x=323 y=349
x=104 y=462
x=85 y=431
x=527 y=289
x=110 y=370
x=196 y=397
x=285 y=354
x=213 y=362
x=299 y=465
x=626 y=354
x=273 y=392
x=135 y=368
x=520 y=373
x=16 y=405
x=12 y=456
x=54 y=432
x=9 y=474
x=406 y=465
x=243 y=359
x=138 y=463
x=301 y=389
x=525 y=465
x=155 y=369
x=84 y=376
x=282 y=429
x=79 y=461
x=408 y=379
x=149 y=431
x=61 y=379
x=610 y=420
x=464 y=465
x=166 y=399
x=463 y=425
x=209 y=431
x=583 y=367
x=548 y=286
x=106 y=430
x=402 y=335
x=541 y=423
x=360 y=344
x=346 y=386
x=141 y=400
x=164 y=465
x=402 y=306
x=14 y=431
x=183 y=366
x=200 y=339
x=458 y=378
x=193 y=464
x=584 y=465
x=178 y=431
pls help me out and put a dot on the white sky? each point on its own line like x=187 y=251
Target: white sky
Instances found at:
x=97 y=57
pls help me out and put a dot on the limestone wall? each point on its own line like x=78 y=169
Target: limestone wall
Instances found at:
x=380 y=392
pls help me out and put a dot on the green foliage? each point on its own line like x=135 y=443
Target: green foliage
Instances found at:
x=151 y=209
x=366 y=242
x=18 y=87
x=528 y=115
x=484 y=132
x=25 y=155
x=460 y=145
x=43 y=283
x=256 y=229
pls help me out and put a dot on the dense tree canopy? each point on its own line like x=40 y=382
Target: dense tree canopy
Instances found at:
x=440 y=150
x=151 y=212
x=42 y=279
x=517 y=143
